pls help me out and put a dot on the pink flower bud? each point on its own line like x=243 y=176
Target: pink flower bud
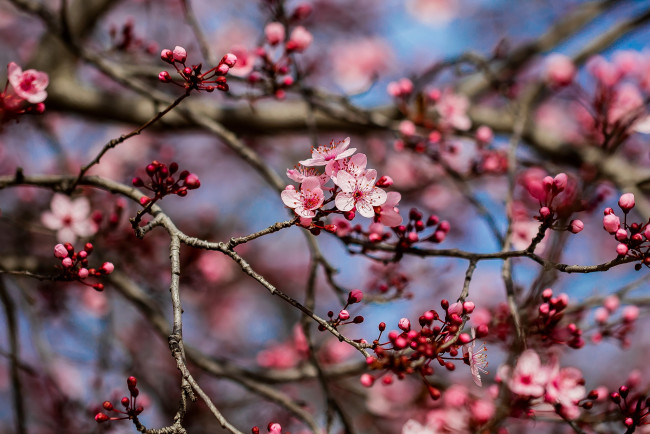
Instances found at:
x=611 y=303
x=367 y=380
x=630 y=313
x=544 y=309
x=101 y=417
x=547 y=293
x=275 y=428
x=66 y=262
x=548 y=183
x=601 y=315
x=400 y=343
x=107 y=267
x=544 y=212
x=60 y=251
x=468 y=307
x=384 y=181
x=164 y=77
x=82 y=273
x=180 y=55
x=576 y=226
x=404 y=324
x=299 y=40
x=560 y=70
x=621 y=235
x=646 y=232
x=407 y=128
x=444 y=226
x=229 y=59
x=611 y=223
x=355 y=296
x=344 y=315
x=626 y=202
x=621 y=249
x=192 y=181
x=464 y=338
x=167 y=55
x=560 y=181
x=484 y=134
x=274 y=33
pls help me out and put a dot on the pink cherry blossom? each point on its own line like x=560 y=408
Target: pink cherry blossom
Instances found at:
x=355 y=166
x=324 y=154
x=70 y=218
x=528 y=378
x=29 y=84
x=477 y=359
x=300 y=173
x=359 y=193
x=308 y=200
x=566 y=388
x=452 y=109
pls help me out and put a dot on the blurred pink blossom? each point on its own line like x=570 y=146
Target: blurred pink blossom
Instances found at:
x=70 y=218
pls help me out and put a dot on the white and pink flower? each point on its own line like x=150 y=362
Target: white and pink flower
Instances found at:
x=359 y=192
x=389 y=214
x=528 y=378
x=324 y=154
x=29 y=85
x=308 y=200
x=70 y=218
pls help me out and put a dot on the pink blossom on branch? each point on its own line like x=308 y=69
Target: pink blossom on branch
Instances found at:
x=308 y=200
x=359 y=193
x=324 y=154
x=29 y=85
x=70 y=218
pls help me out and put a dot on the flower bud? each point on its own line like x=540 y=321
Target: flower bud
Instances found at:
x=101 y=417
x=82 y=273
x=180 y=55
x=611 y=223
x=60 y=251
x=576 y=226
x=107 y=267
x=355 y=296
x=621 y=249
x=367 y=380
x=229 y=59
x=626 y=202
x=344 y=315
x=167 y=55
x=164 y=77
x=66 y=262
x=404 y=324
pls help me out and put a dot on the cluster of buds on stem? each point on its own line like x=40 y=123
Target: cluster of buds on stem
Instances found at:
x=547 y=326
x=74 y=265
x=634 y=407
x=272 y=427
x=343 y=317
x=411 y=233
x=633 y=238
x=618 y=328
x=552 y=207
x=192 y=77
x=131 y=409
x=410 y=351
x=163 y=181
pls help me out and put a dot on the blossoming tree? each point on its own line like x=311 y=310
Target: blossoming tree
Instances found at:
x=288 y=223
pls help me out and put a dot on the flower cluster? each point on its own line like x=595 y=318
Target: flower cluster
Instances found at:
x=547 y=326
x=534 y=383
x=192 y=77
x=131 y=409
x=409 y=351
x=273 y=71
x=74 y=266
x=163 y=182
x=26 y=94
x=355 y=187
x=617 y=327
x=343 y=317
x=556 y=198
x=632 y=237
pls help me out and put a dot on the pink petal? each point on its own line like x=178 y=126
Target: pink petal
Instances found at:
x=365 y=209
x=51 y=221
x=310 y=183
x=390 y=218
x=344 y=201
x=291 y=198
x=347 y=182
x=392 y=199
x=60 y=205
x=375 y=197
x=66 y=235
x=367 y=181
x=79 y=208
x=345 y=154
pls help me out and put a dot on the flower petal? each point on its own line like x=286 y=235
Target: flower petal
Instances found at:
x=344 y=201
